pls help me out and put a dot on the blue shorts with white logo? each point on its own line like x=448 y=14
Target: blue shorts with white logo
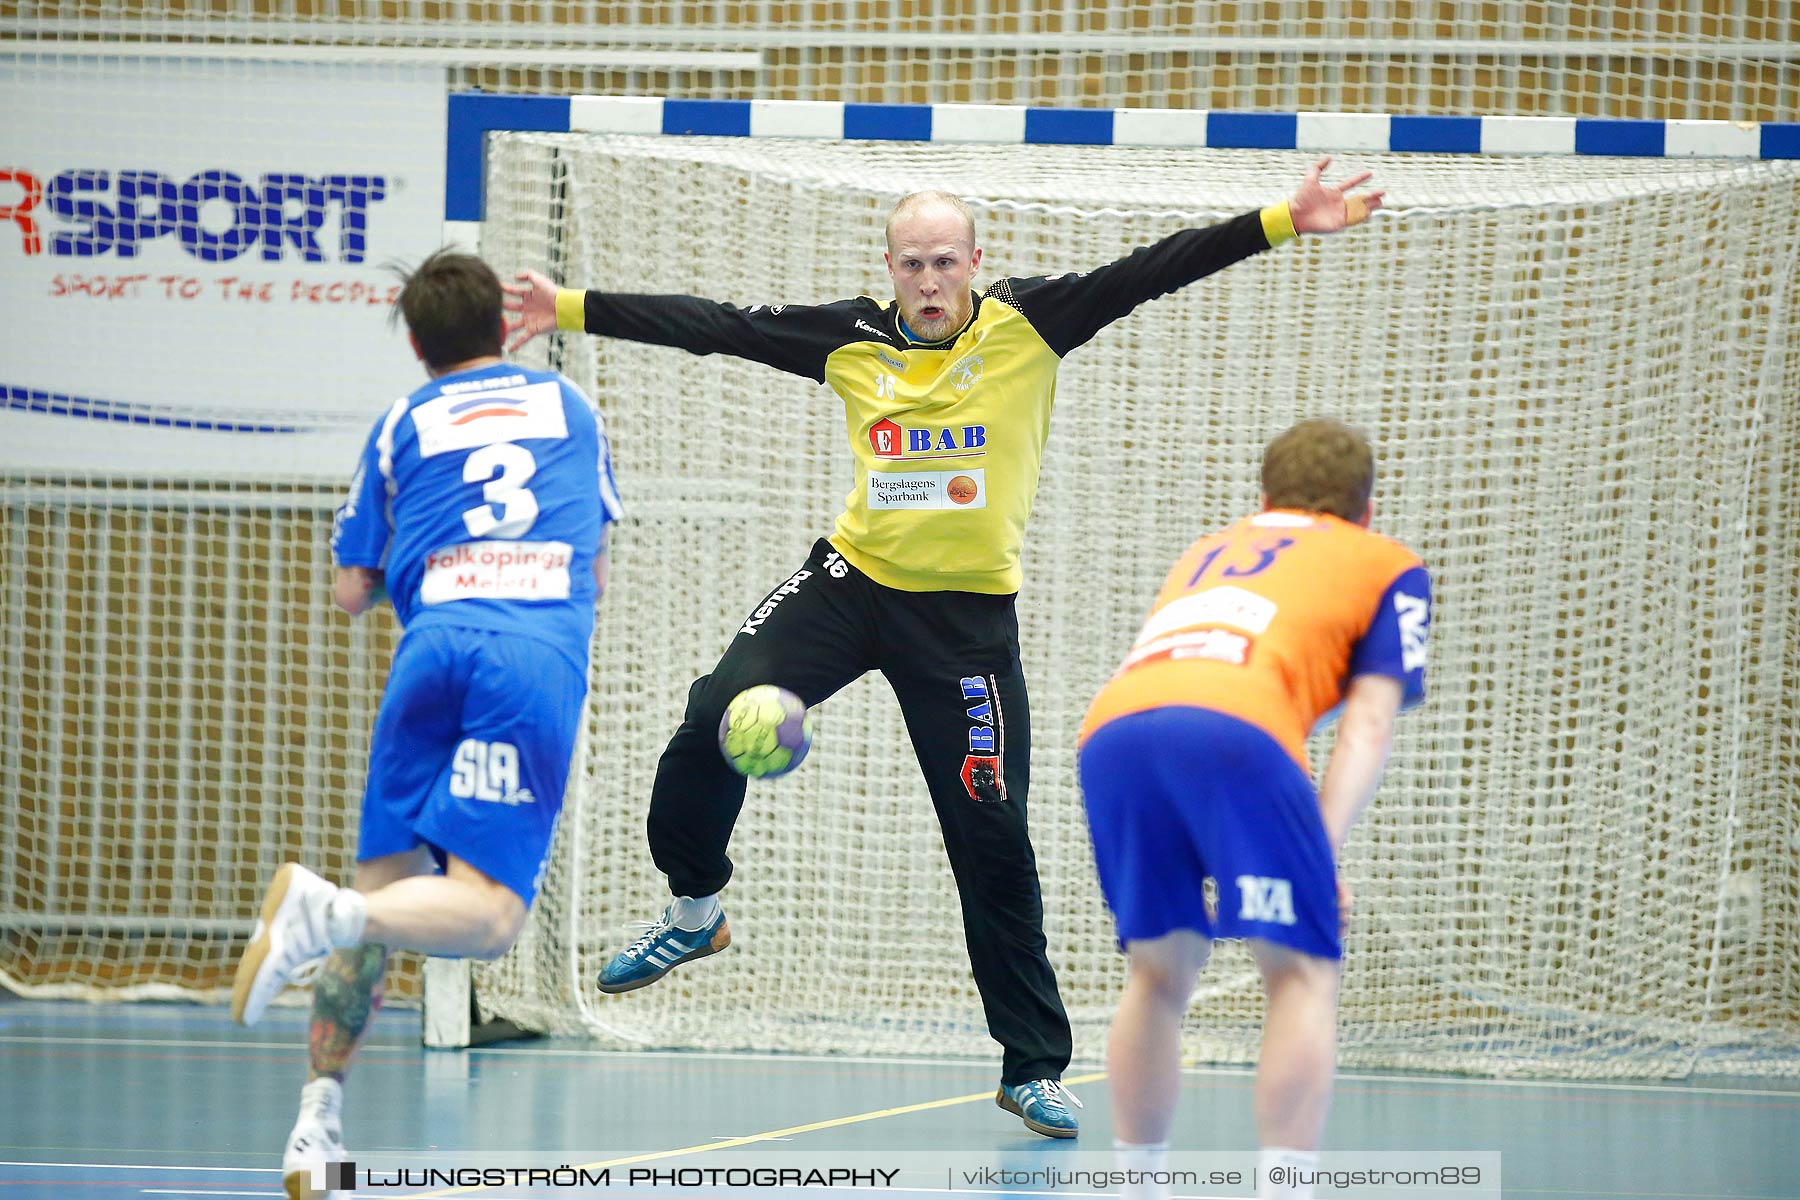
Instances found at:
x=1177 y=794
x=471 y=752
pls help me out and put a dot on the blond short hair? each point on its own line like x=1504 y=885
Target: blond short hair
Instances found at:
x=918 y=201
x=1322 y=466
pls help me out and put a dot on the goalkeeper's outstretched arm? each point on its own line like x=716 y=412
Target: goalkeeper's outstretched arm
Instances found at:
x=795 y=338
x=1069 y=309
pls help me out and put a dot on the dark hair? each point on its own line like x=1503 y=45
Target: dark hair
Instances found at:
x=452 y=304
x=1322 y=466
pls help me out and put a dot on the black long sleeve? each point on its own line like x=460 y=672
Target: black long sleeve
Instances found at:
x=1068 y=310
x=796 y=338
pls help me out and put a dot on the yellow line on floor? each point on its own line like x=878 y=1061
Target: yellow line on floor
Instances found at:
x=655 y=1155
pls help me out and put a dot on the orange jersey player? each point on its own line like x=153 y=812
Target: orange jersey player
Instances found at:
x=1268 y=620
x=1193 y=765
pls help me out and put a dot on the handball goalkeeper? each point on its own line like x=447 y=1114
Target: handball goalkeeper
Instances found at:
x=948 y=393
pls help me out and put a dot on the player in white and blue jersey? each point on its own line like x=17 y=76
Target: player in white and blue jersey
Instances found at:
x=480 y=508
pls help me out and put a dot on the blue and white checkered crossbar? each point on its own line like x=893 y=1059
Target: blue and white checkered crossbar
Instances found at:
x=474 y=114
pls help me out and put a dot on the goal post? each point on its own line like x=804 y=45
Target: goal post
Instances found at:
x=1579 y=369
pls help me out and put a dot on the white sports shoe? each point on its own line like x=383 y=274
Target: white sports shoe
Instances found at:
x=291 y=933
x=317 y=1139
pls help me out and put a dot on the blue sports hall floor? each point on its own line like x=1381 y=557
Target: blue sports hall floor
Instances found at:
x=133 y=1101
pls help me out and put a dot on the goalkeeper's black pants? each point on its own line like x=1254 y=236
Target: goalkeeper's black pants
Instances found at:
x=953 y=661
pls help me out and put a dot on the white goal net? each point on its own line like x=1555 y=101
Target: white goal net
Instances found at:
x=1581 y=377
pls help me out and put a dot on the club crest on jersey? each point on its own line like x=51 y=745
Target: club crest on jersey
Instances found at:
x=965 y=372
x=982 y=773
x=892 y=440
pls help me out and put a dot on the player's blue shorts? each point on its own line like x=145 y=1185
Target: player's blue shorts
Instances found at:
x=471 y=752
x=1177 y=794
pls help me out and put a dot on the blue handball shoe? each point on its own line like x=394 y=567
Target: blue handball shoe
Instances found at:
x=662 y=948
x=1043 y=1104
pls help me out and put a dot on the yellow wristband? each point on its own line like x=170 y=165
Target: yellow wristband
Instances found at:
x=571 y=310
x=1278 y=223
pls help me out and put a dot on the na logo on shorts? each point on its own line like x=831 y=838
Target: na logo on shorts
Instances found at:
x=1270 y=901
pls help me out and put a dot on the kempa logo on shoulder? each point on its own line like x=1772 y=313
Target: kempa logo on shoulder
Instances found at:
x=965 y=372
x=864 y=325
x=774 y=601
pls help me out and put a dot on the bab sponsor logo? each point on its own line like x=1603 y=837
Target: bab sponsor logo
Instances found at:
x=982 y=776
x=216 y=215
x=892 y=440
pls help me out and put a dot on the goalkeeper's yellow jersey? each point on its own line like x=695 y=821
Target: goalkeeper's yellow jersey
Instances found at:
x=948 y=436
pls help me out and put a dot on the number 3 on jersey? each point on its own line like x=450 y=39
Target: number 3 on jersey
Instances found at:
x=505 y=469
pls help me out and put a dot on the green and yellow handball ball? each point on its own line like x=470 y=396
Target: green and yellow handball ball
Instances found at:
x=766 y=731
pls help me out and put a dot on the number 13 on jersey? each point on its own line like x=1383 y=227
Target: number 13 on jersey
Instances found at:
x=1241 y=558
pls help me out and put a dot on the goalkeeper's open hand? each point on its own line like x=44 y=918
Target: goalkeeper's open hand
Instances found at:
x=1320 y=207
x=530 y=308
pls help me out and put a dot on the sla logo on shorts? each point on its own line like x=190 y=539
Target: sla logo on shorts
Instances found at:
x=488 y=771
x=928 y=489
x=1270 y=901
x=981 y=774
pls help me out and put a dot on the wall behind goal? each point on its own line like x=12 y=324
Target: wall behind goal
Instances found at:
x=1654 y=59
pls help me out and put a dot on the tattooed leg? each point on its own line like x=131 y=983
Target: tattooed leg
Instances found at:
x=346 y=994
